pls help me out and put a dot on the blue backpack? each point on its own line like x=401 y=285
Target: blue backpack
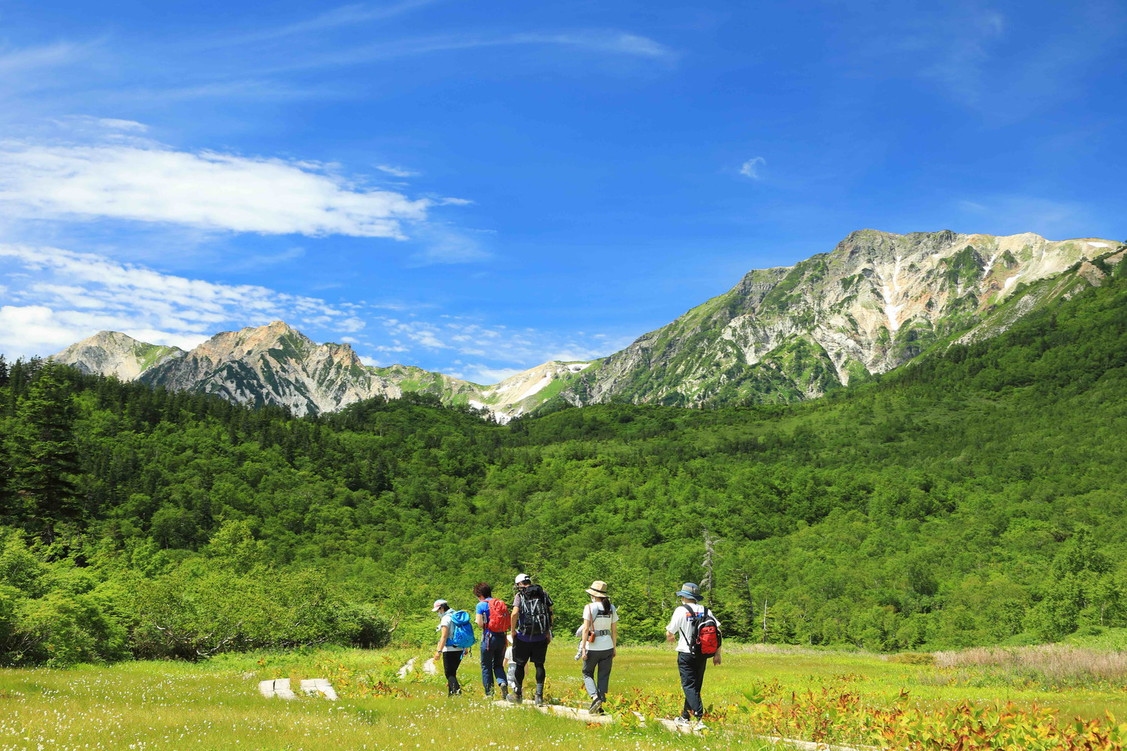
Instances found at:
x=461 y=630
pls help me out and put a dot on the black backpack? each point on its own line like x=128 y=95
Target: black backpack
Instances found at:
x=705 y=638
x=534 y=617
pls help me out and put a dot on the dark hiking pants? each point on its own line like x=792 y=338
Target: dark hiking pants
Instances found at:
x=692 y=681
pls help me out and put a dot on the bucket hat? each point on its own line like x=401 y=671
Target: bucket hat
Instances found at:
x=689 y=590
x=597 y=589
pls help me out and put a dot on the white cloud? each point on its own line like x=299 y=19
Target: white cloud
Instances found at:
x=207 y=190
x=751 y=168
x=615 y=42
x=51 y=298
x=396 y=171
x=55 y=297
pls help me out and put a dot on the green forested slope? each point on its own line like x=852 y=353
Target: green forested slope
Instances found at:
x=975 y=497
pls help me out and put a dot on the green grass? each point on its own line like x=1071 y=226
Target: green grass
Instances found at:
x=217 y=705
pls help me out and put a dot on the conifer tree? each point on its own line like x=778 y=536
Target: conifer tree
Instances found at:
x=43 y=454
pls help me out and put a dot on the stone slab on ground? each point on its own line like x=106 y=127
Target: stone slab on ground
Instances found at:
x=276 y=687
x=407 y=668
x=280 y=687
x=320 y=686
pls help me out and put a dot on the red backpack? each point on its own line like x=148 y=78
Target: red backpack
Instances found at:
x=706 y=637
x=498 y=621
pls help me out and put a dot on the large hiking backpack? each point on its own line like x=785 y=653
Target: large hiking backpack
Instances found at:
x=533 y=618
x=461 y=630
x=705 y=637
x=498 y=620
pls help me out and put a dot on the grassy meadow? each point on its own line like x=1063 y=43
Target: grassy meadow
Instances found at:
x=828 y=696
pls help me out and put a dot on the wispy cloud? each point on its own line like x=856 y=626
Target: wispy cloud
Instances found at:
x=56 y=297
x=396 y=171
x=207 y=190
x=964 y=60
x=604 y=42
x=345 y=16
x=51 y=298
x=27 y=59
x=982 y=58
x=444 y=244
x=1010 y=214
x=753 y=168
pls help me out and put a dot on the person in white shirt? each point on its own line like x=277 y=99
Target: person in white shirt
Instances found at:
x=451 y=655
x=599 y=642
x=690 y=666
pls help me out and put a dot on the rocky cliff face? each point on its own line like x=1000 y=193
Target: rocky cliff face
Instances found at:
x=782 y=334
x=113 y=353
x=872 y=304
x=277 y=365
x=273 y=365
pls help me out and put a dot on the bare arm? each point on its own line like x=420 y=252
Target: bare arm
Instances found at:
x=588 y=627
x=442 y=634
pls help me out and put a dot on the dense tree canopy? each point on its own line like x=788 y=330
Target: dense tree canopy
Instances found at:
x=976 y=497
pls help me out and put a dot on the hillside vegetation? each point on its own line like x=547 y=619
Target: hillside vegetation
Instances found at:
x=975 y=498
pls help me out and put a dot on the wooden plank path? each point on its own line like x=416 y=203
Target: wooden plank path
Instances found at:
x=605 y=719
x=585 y=716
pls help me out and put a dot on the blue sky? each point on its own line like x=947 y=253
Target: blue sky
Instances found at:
x=476 y=188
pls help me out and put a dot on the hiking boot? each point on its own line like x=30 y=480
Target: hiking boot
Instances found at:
x=515 y=697
x=596 y=706
x=539 y=697
x=504 y=690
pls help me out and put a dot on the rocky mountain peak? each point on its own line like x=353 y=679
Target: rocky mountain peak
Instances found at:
x=117 y=354
x=872 y=303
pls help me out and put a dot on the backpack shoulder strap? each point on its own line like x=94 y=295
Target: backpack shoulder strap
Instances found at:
x=688 y=620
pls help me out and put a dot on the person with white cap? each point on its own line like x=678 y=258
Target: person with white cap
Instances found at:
x=451 y=655
x=598 y=643
x=531 y=622
x=681 y=629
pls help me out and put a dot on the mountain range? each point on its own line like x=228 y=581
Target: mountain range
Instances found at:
x=875 y=302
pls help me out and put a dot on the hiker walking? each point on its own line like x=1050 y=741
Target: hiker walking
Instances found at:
x=531 y=625
x=598 y=643
x=697 y=633
x=455 y=637
x=492 y=615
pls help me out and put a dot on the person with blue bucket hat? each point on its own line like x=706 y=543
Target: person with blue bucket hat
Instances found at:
x=683 y=628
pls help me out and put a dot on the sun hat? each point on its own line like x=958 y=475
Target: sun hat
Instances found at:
x=522 y=578
x=439 y=604
x=689 y=590
x=597 y=589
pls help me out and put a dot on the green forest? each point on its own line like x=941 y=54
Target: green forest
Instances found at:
x=974 y=497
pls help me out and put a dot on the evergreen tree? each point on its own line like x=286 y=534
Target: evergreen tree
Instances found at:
x=43 y=455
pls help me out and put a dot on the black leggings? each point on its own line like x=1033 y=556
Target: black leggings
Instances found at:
x=450 y=663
